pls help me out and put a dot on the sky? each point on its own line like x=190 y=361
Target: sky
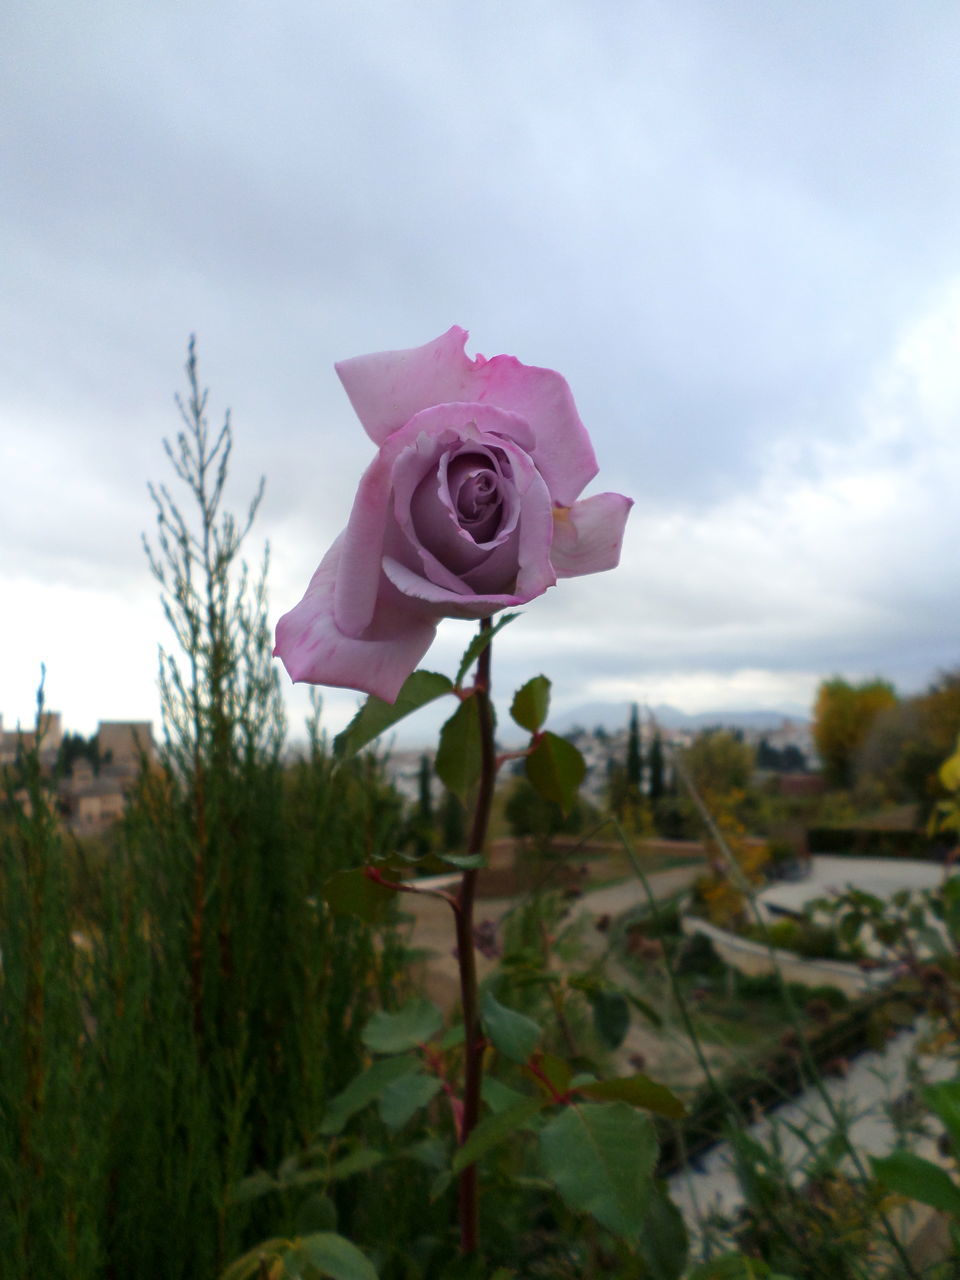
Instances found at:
x=734 y=229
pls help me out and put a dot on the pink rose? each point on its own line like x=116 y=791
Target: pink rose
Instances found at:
x=470 y=506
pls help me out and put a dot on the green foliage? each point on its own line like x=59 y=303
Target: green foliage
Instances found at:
x=365 y=1088
x=183 y=1008
x=531 y=704
x=417 y=1022
x=907 y=742
x=459 y=756
x=663 y=1243
x=49 y=1142
x=658 y=785
x=735 y=1266
x=912 y=1176
x=530 y=815
x=375 y=716
x=497 y=1128
x=611 y=1015
x=556 y=769
x=806 y=938
x=601 y=1155
x=481 y=641
x=718 y=762
x=639 y=1091
x=355 y=893
x=453 y=825
x=511 y=1033
x=844 y=715
x=321 y=1254
x=74 y=747
x=634 y=762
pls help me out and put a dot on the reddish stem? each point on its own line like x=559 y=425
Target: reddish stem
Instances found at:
x=376 y=875
x=469 y=1209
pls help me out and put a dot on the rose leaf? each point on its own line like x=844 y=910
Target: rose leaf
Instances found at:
x=376 y=715
x=459 y=753
x=531 y=704
x=556 y=768
x=353 y=893
x=479 y=643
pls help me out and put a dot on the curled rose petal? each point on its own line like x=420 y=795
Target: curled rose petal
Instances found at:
x=471 y=505
x=388 y=388
x=587 y=537
x=313 y=648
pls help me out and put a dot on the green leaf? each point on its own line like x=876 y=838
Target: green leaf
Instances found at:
x=333 y=1256
x=647 y=1010
x=734 y=1266
x=431 y=1152
x=364 y=1089
x=317 y=1213
x=353 y=893
x=464 y=861
x=663 y=1243
x=910 y=1175
x=439 y=1186
x=376 y=715
x=600 y=1156
x=943 y=1099
x=639 y=1091
x=250 y=1188
x=531 y=704
x=950 y=772
x=496 y=1128
x=951 y=906
x=404 y=1097
x=459 y=754
x=499 y=1096
x=557 y=1072
x=453 y=1037
x=415 y=1023
x=249 y=1266
x=512 y=1034
x=359 y=1161
x=479 y=643
x=611 y=1016
x=555 y=768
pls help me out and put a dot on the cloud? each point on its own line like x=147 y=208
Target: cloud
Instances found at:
x=732 y=229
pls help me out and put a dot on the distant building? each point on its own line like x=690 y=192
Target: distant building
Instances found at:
x=92 y=801
x=122 y=742
x=12 y=741
x=89 y=800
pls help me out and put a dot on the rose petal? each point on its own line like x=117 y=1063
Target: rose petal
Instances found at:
x=587 y=536
x=387 y=388
x=529 y=560
x=312 y=647
x=563 y=453
x=355 y=591
x=448 y=604
x=444 y=551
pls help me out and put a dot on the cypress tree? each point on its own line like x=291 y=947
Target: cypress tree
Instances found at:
x=657 y=772
x=634 y=754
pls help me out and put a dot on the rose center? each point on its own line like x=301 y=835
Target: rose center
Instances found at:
x=474 y=488
x=477 y=493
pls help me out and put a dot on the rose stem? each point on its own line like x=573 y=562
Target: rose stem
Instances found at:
x=466 y=955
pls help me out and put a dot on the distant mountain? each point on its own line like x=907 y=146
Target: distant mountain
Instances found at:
x=420 y=731
x=612 y=716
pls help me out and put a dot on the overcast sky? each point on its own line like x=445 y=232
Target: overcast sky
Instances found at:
x=734 y=228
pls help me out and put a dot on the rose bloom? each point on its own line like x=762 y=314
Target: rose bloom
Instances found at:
x=470 y=506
